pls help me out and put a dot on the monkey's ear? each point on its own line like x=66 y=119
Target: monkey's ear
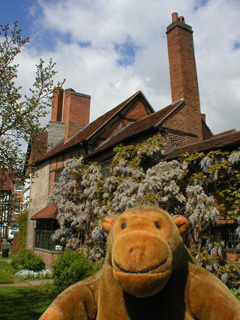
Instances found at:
x=108 y=222
x=182 y=223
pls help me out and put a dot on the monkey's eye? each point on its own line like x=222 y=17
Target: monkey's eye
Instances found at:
x=157 y=225
x=123 y=225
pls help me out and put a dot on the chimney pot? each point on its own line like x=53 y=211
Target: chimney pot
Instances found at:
x=181 y=19
x=174 y=16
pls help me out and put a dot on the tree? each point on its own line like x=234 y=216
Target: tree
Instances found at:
x=20 y=115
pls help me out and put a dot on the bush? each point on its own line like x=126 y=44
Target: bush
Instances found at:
x=230 y=275
x=22 y=221
x=236 y=292
x=26 y=259
x=69 y=268
x=215 y=262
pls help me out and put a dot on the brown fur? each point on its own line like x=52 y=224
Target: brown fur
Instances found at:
x=148 y=274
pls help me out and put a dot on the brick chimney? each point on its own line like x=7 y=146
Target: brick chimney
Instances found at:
x=56 y=128
x=183 y=72
x=70 y=113
x=76 y=112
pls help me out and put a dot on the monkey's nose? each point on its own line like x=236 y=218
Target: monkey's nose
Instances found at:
x=136 y=253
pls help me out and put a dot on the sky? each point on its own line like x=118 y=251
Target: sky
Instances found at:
x=110 y=49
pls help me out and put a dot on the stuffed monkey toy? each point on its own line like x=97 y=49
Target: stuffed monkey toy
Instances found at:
x=147 y=275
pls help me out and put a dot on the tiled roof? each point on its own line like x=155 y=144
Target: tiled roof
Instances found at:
x=148 y=123
x=224 y=133
x=231 y=140
x=49 y=212
x=89 y=130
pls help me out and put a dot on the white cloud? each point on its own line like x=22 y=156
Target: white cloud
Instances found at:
x=94 y=69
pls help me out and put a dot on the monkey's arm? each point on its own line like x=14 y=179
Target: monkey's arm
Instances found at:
x=77 y=302
x=209 y=298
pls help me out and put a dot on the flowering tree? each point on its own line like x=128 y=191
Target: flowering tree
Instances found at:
x=194 y=185
x=20 y=114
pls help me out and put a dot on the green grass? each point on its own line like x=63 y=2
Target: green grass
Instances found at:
x=23 y=303
x=10 y=256
x=6 y=273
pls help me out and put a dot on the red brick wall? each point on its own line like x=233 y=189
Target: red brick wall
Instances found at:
x=76 y=112
x=138 y=111
x=182 y=120
x=207 y=134
x=233 y=256
x=173 y=139
x=49 y=257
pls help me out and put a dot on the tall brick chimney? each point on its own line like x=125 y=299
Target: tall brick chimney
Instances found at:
x=183 y=72
x=76 y=112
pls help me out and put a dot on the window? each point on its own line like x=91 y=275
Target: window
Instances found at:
x=18 y=187
x=105 y=166
x=227 y=233
x=4 y=206
x=57 y=175
x=43 y=235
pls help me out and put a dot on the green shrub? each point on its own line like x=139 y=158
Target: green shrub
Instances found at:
x=26 y=259
x=236 y=292
x=22 y=221
x=69 y=268
x=227 y=271
x=231 y=272
x=15 y=262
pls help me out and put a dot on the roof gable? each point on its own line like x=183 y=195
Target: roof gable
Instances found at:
x=94 y=127
x=151 y=122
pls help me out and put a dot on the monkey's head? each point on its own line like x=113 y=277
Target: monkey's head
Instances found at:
x=144 y=247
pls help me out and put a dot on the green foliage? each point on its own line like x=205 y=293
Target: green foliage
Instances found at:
x=219 y=174
x=6 y=273
x=229 y=273
x=236 y=292
x=212 y=258
x=70 y=267
x=22 y=221
x=128 y=154
x=26 y=259
x=143 y=155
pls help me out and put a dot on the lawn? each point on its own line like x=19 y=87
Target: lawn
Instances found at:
x=6 y=273
x=23 y=303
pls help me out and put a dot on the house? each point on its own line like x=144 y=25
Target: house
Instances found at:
x=11 y=198
x=181 y=125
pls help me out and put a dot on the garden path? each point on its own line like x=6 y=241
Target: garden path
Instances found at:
x=25 y=283
x=29 y=283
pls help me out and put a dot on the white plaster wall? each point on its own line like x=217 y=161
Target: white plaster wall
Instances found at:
x=39 y=198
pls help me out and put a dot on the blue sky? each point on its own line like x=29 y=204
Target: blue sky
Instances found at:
x=12 y=10
x=112 y=48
